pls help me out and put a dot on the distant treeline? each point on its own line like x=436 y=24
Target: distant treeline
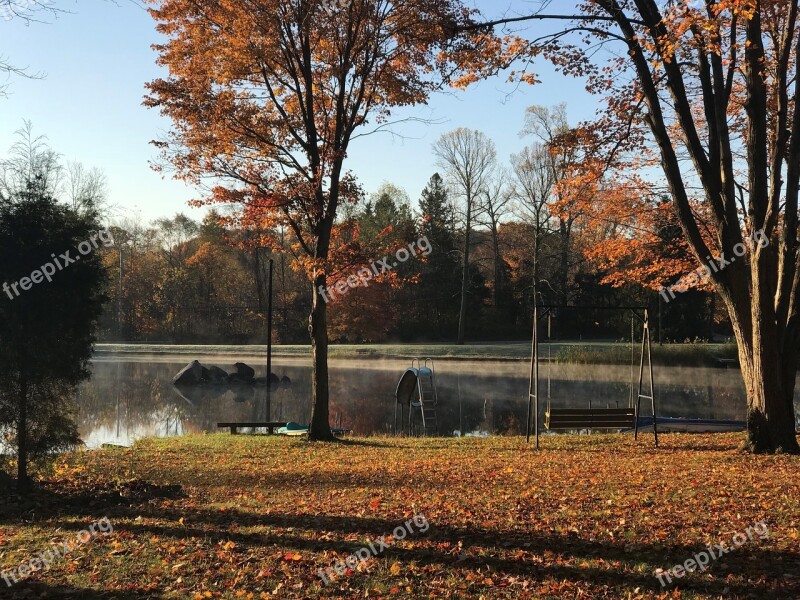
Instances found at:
x=181 y=281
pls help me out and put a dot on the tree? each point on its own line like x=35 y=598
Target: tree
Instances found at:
x=716 y=85
x=439 y=284
x=494 y=206
x=532 y=191
x=266 y=96
x=389 y=207
x=88 y=189
x=48 y=315
x=556 y=139
x=468 y=157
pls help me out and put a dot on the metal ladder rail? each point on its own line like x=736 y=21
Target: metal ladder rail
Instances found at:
x=426 y=386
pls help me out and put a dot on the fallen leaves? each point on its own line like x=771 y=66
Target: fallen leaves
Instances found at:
x=587 y=517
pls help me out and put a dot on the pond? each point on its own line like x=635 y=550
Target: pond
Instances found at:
x=131 y=395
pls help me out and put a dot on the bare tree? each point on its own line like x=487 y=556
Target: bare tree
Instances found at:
x=532 y=191
x=87 y=189
x=31 y=167
x=468 y=158
x=550 y=125
x=495 y=203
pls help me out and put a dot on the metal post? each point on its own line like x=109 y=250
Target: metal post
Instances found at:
x=534 y=357
x=633 y=334
x=460 y=408
x=536 y=373
x=269 y=345
x=119 y=300
x=641 y=378
x=652 y=383
x=549 y=353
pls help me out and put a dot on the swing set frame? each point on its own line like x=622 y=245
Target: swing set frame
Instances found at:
x=597 y=418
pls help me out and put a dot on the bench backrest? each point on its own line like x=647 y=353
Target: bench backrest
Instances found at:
x=590 y=418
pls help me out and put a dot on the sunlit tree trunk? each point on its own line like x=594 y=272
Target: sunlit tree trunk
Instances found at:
x=318 y=329
x=768 y=368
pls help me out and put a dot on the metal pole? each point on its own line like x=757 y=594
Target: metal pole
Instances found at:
x=660 y=338
x=119 y=300
x=549 y=353
x=460 y=408
x=269 y=344
x=536 y=373
x=652 y=383
x=530 y=379
x=633 y=334
x=641 y=378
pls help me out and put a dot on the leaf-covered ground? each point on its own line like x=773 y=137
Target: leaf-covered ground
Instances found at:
x=254 y=517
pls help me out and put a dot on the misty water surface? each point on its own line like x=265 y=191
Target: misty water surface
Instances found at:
x=130 y=396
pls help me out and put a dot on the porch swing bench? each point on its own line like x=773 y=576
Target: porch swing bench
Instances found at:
x=576 y=419
x=589 y=418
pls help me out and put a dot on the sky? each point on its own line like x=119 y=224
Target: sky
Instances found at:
x=95 y=60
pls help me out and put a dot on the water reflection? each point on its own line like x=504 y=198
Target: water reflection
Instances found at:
x=131 y=396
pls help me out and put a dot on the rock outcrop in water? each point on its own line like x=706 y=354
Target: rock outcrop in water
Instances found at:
x=191 y=374
x=195 y=374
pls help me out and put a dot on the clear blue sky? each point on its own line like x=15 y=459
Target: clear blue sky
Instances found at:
x=97 y=59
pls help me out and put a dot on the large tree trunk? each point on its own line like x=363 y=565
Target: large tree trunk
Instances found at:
x=23 y=480
x=320 y=429
x=769 y=373
x=770 y=397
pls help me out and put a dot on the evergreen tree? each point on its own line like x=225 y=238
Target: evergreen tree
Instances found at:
x=48 y=328
x=440 y=282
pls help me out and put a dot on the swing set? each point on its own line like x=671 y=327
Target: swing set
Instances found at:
x=590 y=418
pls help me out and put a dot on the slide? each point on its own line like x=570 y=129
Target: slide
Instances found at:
x=407 y=388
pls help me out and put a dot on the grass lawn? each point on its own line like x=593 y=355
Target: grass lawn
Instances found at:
x=256 y=517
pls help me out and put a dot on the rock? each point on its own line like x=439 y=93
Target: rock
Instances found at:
x=286 y=383
x=217 y=375
x=274 y=381
x=244 y=372
x=191 y=374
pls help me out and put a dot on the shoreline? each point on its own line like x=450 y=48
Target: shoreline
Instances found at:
x=578 y=352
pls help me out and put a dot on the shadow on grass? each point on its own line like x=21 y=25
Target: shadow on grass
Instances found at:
x=516 y=553
x=35 y=589
x=45 y=502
